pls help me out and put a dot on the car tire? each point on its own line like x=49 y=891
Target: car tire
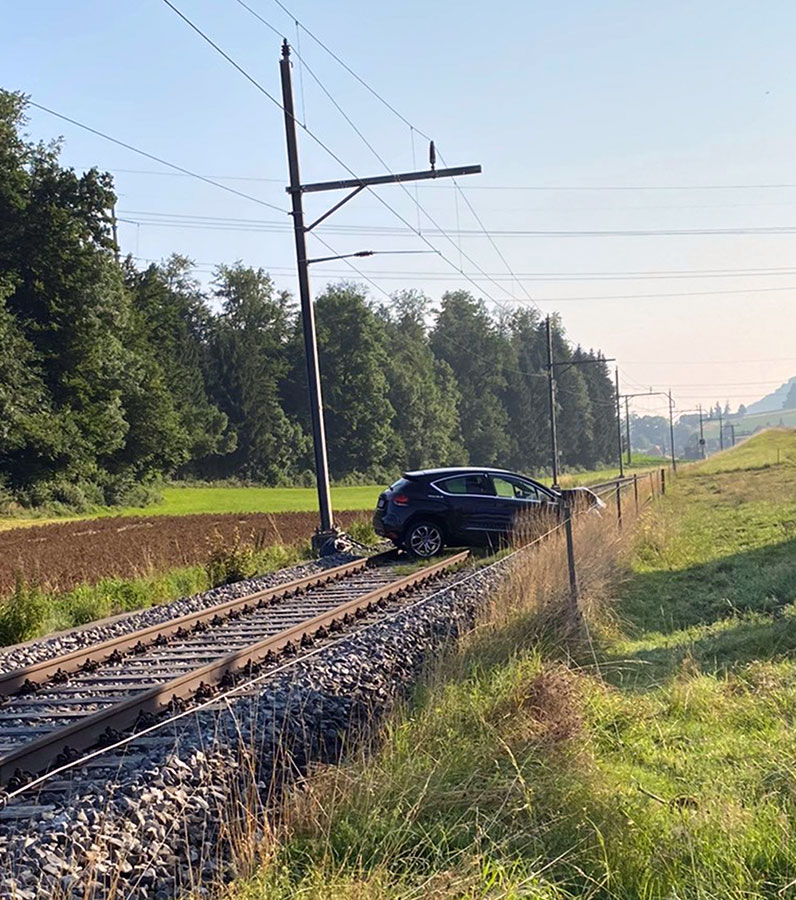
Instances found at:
x=424 y=539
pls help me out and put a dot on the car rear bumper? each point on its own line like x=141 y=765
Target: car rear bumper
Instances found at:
x=385 y=526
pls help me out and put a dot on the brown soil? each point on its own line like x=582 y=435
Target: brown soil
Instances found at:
x=63 y=555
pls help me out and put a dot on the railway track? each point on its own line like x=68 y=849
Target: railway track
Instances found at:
x=52 y=712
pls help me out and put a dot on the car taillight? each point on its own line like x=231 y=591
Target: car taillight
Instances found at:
x=400 y=500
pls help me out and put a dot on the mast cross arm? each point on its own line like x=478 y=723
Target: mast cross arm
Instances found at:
x=360 y=183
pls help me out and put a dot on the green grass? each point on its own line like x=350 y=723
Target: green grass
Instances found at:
x=183 y=501
x=655 y=760
x=769 y=448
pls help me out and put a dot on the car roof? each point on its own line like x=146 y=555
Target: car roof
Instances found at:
x=458 y=470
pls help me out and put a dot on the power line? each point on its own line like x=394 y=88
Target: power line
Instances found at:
x=560 y=276
x=334 y=156
x=213 y=224
x=154 y=158
x=642 y=187
x=719 y=384
x=486 y=187
x=707 y=362
x=651 y=232
x=683 y=294
x=348 y=69
x=411 y=230
x=217 y=177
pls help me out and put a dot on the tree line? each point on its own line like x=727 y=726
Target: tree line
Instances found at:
x=113 y=376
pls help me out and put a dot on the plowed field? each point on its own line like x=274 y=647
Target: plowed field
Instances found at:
x=61 y=556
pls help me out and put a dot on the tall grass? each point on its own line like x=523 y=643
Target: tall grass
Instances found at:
x=461 y=794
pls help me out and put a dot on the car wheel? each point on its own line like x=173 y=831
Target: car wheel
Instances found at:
x=424 y=539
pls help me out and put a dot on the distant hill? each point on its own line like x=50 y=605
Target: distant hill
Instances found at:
x=771 y=402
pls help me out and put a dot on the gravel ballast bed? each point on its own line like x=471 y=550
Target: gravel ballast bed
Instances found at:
x=166 y=828
x=49 y=647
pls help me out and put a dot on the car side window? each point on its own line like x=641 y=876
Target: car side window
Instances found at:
x=503 y=487
x=524 y=490
x=466 y=484
x=515 y=488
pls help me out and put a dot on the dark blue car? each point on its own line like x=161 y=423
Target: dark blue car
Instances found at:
x=426 y=510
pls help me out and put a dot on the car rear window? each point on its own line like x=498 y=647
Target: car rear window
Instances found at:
x=399 y=485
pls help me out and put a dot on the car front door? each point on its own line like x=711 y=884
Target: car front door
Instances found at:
x=518 y=501
x=472 y=505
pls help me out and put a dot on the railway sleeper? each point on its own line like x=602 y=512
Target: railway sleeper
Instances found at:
x=230 y=678
x=161 y=640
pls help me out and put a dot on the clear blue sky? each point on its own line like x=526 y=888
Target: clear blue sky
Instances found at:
x=586 y=95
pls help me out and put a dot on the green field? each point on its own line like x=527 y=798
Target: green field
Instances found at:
x=179 y=500
x=195 y=500
x=652 y=758
x=185 y=501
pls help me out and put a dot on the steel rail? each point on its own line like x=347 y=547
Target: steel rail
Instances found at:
x=18 y=679
x=86 y=732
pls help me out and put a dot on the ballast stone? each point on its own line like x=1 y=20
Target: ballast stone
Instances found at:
x=60 y=644
x=174 y=810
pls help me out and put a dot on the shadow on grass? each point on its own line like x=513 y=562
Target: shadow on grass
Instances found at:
x=761 y=580
x=717 y=616
x=717 y=651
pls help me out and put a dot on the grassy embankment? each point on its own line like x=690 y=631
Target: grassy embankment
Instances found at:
x=655 y=759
